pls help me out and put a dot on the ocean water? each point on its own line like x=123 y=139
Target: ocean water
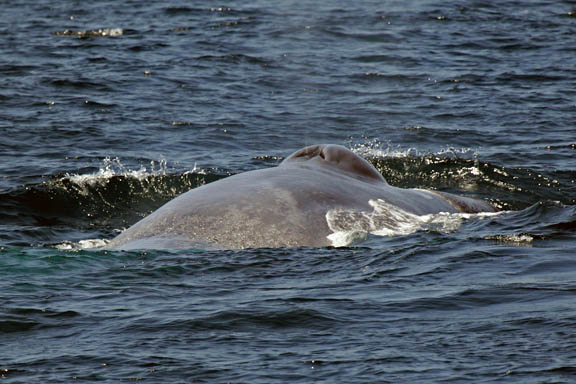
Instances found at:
x=109 y=109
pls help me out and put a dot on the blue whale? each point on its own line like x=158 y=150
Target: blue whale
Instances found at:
x=283 y=206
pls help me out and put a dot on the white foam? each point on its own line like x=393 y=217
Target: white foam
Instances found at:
x=103 y=32
x=82 y=244
x=518 y=239
x=349 y=226
x=112 y=32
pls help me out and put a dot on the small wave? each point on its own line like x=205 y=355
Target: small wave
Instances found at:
x=458 y=169
x=457 y=163
x=349 y=226
x=9 y=326
x=113 y=196
x=240 y=319
x=518 y=239
x=117 y=190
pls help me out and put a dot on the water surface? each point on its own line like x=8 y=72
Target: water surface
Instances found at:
x=108 y=110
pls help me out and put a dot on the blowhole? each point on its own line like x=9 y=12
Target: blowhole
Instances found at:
x=339 y=157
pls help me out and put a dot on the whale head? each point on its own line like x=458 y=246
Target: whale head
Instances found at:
x=335 y=157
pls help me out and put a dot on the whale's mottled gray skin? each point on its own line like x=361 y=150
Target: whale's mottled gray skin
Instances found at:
x=284 y=206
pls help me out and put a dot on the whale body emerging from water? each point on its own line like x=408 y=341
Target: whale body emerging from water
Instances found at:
x=284 y=206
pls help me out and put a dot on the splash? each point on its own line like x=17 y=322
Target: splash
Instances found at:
x=113 y=167
x=82 y=244
x=381 y=150
x=350 y=227
x=377 y=149
x=114 y=182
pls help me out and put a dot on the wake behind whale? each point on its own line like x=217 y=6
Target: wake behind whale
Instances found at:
x=316 y=192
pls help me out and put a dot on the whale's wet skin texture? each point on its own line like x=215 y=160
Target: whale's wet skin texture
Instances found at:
x=109 y=110
x=284 y=206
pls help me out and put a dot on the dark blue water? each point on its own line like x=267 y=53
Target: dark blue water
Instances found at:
x=109 y=109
